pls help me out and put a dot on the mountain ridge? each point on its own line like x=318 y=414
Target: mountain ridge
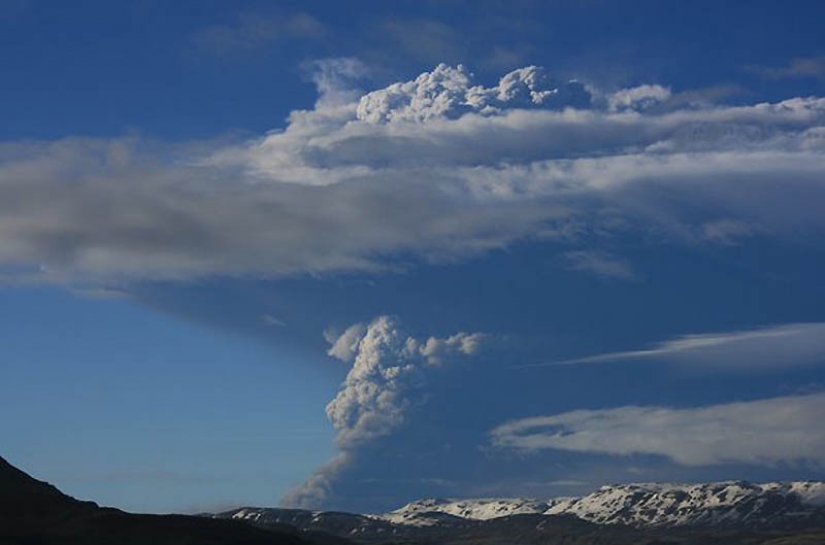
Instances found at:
x=626 y=513
x=35 y=512
x=753 y=505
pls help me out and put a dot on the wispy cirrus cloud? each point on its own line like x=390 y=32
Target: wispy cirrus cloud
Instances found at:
x=781 y=430
x=780 y=346
x=599 y=263
x=254 y=31
x=803 y=67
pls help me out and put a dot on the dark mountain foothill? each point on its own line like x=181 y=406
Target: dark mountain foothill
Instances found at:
x=33 y=512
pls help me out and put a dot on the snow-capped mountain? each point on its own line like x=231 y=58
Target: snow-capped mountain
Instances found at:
x=621 y=514
x=362 y=528
x=420 y=512
x=723 y=504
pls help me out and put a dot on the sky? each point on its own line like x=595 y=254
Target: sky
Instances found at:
x=346 y=256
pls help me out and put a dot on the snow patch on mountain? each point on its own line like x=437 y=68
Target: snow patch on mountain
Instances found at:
x=730 y=503
x=420 y=512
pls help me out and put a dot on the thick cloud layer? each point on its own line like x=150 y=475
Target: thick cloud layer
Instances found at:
x=386 y=381
x=772 y=431
x=435 y=169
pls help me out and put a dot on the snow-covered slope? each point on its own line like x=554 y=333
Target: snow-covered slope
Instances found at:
x=723 y=504
x=713 y=504
x=420 y=512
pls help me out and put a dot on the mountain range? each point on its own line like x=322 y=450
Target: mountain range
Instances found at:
x=730 y=512
x=33 y=512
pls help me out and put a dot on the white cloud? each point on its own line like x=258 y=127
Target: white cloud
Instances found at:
x=435 y=349
x=335 y=80
x=439 y=168
x=600 y=263
x=272 y=321
x=387 y=364
x=782 y=430
x=726 y=232
x=345 y=346
x=778 y=346
x=567 y=482
x=372 y=401
x=803 y=67
x=448 y=92
x=387 y=378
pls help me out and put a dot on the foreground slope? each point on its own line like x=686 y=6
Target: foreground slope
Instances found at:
x=36 y=513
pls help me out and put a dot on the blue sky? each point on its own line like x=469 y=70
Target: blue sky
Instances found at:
x=262 y=253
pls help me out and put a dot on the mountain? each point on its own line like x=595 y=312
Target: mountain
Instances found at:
x=27 y=502
x=727 y=513
x=33 y=512
x=731 y=504
x=441 y=529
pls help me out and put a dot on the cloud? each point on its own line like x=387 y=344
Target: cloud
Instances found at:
x=603 y=264
x=424 y=40
x=780 y=346
x=253 y=31
x=336 y=80
x=781 y=430
x=387 y=363
x=447 y=93
x=567 y=482
x=345 y=346
x=705 y=96
x=436 y=350
x=386 y=381
x=804 y=67
x=272 y=321
x=434 y=170
x=726 y=232
x=101 y=293
x=505 y=57
x=638 y=98
x=318 y=488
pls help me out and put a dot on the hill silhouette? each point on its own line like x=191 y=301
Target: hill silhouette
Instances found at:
x=33 y=512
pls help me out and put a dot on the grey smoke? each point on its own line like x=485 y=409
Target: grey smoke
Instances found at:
x=376 y=398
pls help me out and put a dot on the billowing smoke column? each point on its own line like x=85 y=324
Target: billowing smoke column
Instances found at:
x=447 y=92
x=388 y=366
